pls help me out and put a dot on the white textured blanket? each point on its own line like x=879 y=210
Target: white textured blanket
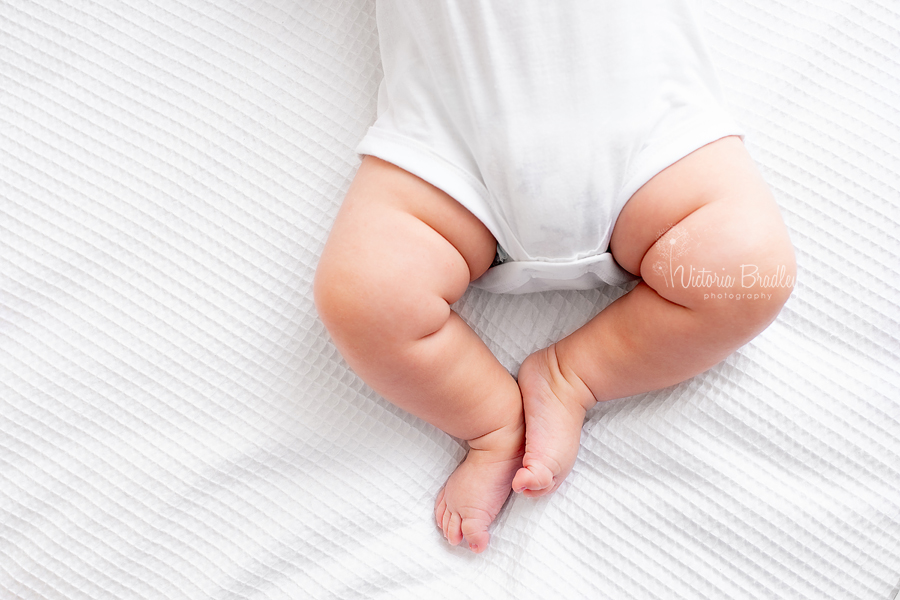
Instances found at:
x=175 y=423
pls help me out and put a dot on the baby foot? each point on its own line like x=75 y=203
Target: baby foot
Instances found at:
x=476 y=491
x=554 y=415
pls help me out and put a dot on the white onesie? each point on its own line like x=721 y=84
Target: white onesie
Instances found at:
x=543 y=117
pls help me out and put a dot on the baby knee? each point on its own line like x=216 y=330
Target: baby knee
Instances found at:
x=735 y=267
x=369 y=310
x=754 y=296
x=340 y=309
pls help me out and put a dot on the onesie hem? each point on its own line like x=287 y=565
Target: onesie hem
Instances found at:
x=688 y=137
x=416 y=158
x=526 y=276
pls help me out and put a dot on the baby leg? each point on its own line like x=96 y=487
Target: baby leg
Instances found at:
x=708 y=240
x=400 y=253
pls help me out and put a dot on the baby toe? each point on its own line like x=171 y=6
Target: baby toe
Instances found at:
x=541 y=492
x=534 y=477
x=476 y=535
x=440 y=507
x=453 y=532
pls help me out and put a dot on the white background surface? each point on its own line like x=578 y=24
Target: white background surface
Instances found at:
x=175 y=423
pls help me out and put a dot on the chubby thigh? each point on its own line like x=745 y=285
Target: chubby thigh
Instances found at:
x=403 y=249
x=399 y=254
x=706 y=233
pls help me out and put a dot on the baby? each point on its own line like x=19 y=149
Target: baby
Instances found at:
x=529 y=145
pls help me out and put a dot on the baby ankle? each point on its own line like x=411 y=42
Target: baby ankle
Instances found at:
x=508 y=438
x=563 y=373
